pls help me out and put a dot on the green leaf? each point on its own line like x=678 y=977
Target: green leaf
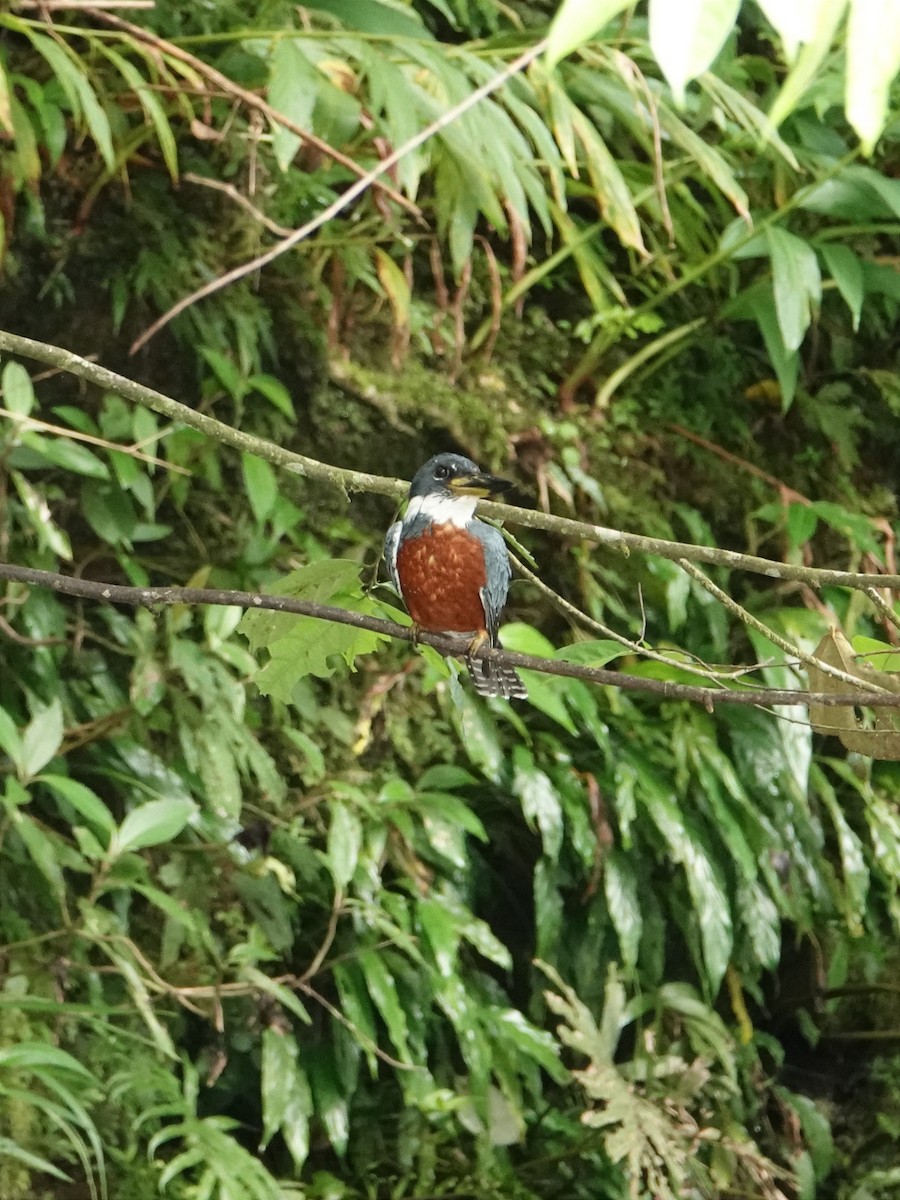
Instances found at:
x=823 y=17
x=18 y=392
x=85 y=802
x=275 y=392
x=299 y=646
x=261 y=485
x=383 y=992
x=79 y=92
x=285 y=997
x=152 y=823
x=686 y=36
x=794 y=23
x=294 y=85
x=286 y=1096
x=41 y=738
x=576 y=22
x=846 y=271
x=623 y=899
x=873 y=60
x=512 y=1027
x=758 y=303
x=540 y=802
x=442 y=932
x=344 y=843
x=109 y=512
x=11 y=1149
x=10 y=742
x=42 y=850
x=153 y=109
x=797 y=283
x=71 y=456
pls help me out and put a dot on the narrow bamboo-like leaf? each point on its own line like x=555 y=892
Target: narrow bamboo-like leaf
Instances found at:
x=846 y=271
x=576 y=22
x=686 y=36
x=42 y=851
x=152 y=823
x=395 y=285
x=80 y=93
x=278 y=991
x=873 y=60
x=293 y=87
x=795 y=23
x=441 y=930
x=152 y=107
x=623 y=898
x=827 y=16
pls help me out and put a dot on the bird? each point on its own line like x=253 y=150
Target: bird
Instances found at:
x=451 y=569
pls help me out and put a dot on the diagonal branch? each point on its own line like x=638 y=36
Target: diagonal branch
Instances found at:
x=360 y=481
x=447 y=644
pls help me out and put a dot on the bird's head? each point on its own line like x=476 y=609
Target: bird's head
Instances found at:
x=452 y=476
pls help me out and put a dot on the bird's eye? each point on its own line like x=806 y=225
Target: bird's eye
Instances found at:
x=441 y=471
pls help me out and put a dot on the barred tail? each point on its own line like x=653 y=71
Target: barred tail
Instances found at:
x=492 y=678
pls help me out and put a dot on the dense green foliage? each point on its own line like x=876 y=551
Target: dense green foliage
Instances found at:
x=286 y=910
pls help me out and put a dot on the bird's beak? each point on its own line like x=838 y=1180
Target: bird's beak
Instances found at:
x=481 y=485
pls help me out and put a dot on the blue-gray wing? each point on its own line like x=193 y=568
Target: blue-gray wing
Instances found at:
x=497 y=570
x=391 y=545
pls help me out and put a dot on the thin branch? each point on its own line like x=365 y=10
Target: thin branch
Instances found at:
x=581 y=618
x=447 y=644
x=338 y=205
x=73 y=435
x=748 y=619
x=250 y=99
x=359 y=481
x=239 y=198
x=883 y=607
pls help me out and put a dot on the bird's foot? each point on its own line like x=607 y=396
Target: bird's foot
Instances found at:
x=480 y=642
x=415 y=635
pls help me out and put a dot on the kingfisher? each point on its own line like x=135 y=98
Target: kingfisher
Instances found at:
x=451 y=569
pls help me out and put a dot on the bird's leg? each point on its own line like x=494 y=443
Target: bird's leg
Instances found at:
x=415 y=634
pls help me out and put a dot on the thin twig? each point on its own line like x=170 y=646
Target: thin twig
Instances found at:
x=581 y=618
x=748 y=619
x=447 y=644
x=338 y=205
x=73 y=435
x=239 y=198
x=883 y=607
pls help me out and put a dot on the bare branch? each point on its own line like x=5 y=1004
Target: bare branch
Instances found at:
x=447 y=644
